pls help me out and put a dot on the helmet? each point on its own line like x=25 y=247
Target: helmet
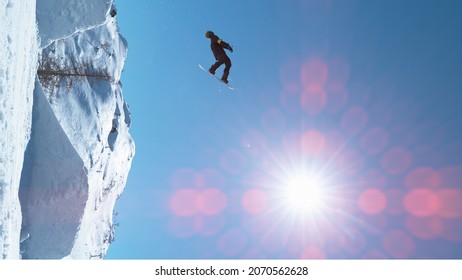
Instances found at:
x=208 y=34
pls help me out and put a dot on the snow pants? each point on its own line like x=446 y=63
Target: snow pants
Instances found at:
x=222 y=60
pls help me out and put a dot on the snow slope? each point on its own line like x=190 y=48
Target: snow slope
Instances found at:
x=67 y=153
x=18 y=62
x=54 y=186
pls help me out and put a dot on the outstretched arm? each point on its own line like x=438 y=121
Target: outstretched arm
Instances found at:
x=225 y=45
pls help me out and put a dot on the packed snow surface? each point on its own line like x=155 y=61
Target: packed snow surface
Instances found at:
x=18 y=64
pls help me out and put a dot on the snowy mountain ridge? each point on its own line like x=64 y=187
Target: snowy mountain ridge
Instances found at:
x=79 y=150
x=61 y=19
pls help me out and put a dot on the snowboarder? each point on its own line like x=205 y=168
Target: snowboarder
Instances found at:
x=219 y=53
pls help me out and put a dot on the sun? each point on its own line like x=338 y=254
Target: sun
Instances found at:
x=304 y=196
x=304 y=193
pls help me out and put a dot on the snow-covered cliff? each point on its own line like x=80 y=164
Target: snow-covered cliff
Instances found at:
x=77 y=160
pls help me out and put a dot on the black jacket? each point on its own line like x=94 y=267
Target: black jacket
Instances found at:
x=217 y=45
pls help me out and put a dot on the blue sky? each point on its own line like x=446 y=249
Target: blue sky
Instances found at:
x=361 y=99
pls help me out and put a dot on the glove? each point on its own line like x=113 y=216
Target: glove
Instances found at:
x=231 y=49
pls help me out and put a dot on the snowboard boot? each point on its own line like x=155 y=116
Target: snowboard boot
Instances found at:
x=225 y=75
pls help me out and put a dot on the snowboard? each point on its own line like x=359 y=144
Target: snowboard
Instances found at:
x=230 y=87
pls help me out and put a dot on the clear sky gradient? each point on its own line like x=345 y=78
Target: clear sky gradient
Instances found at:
x=361 y=98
